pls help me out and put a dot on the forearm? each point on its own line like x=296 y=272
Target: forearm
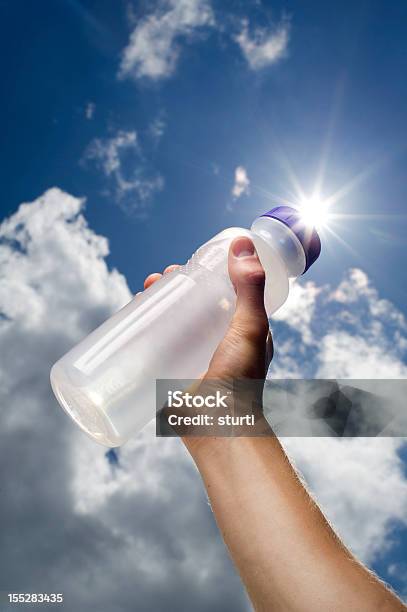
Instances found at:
x=286 y=553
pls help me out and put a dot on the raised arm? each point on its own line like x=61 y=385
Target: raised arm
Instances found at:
x=288 y=556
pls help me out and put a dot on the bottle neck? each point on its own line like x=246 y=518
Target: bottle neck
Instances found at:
x=283 y=240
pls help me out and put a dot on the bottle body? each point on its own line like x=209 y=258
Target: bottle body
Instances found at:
x=106 y=383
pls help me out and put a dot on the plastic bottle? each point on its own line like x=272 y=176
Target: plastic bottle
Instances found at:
x=106 y=383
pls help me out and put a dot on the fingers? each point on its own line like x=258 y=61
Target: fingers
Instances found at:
x=171 y=268
x=153 y=278
x=247 y=348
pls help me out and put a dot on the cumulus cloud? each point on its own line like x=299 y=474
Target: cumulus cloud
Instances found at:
x=138 y=533
x=367 y=336
x=120 y=158
x=153 y=49
x=356 y=287
x=351 y=330
x=53 y=268
x=241 y=185
x=299 y=309
x=359 y=484
x=108 y=537
x=263 y=47
x=156 y=40
x=347 y=332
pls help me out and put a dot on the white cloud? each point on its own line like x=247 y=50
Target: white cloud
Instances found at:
x=369 y=337
x=90 y=110
x=70 y=518
x=357 y=286
x=342 y=355
x=399 y=570
x=263 y=47
x=157 y=127
x=153 y=49
x=299 y=309
x=357 y=333
x=359 y=484
x=108 y=151
x=55 y=286
x=120 y=158
x=154 y=46
x=242 y=183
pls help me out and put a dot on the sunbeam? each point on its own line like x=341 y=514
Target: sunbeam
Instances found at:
x=314 y=211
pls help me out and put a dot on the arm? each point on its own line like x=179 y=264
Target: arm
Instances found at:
x=287 y=555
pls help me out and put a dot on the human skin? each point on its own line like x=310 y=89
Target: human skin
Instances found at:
x=287 y=555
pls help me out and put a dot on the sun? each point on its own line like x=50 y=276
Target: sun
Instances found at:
x=314 y=211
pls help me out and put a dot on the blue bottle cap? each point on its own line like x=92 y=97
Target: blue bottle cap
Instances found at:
x=306 y=234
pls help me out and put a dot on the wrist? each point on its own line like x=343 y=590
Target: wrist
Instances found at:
x=209 y=450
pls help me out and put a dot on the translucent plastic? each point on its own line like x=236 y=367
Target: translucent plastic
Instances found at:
x=107 y=382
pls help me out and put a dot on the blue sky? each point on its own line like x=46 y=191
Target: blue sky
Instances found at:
x=148 y=110
x=337 y=88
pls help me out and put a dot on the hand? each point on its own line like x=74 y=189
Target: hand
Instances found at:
x=245 y=351
x=247 y=348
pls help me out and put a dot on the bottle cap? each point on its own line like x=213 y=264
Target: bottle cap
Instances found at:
x=306 y=234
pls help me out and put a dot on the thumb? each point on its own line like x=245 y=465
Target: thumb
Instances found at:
x=242 y=352
x=248 y=278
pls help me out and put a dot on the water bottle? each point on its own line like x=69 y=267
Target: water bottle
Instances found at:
x=106 y=383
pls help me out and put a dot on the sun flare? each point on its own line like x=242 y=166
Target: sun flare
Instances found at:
x=314 y=211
